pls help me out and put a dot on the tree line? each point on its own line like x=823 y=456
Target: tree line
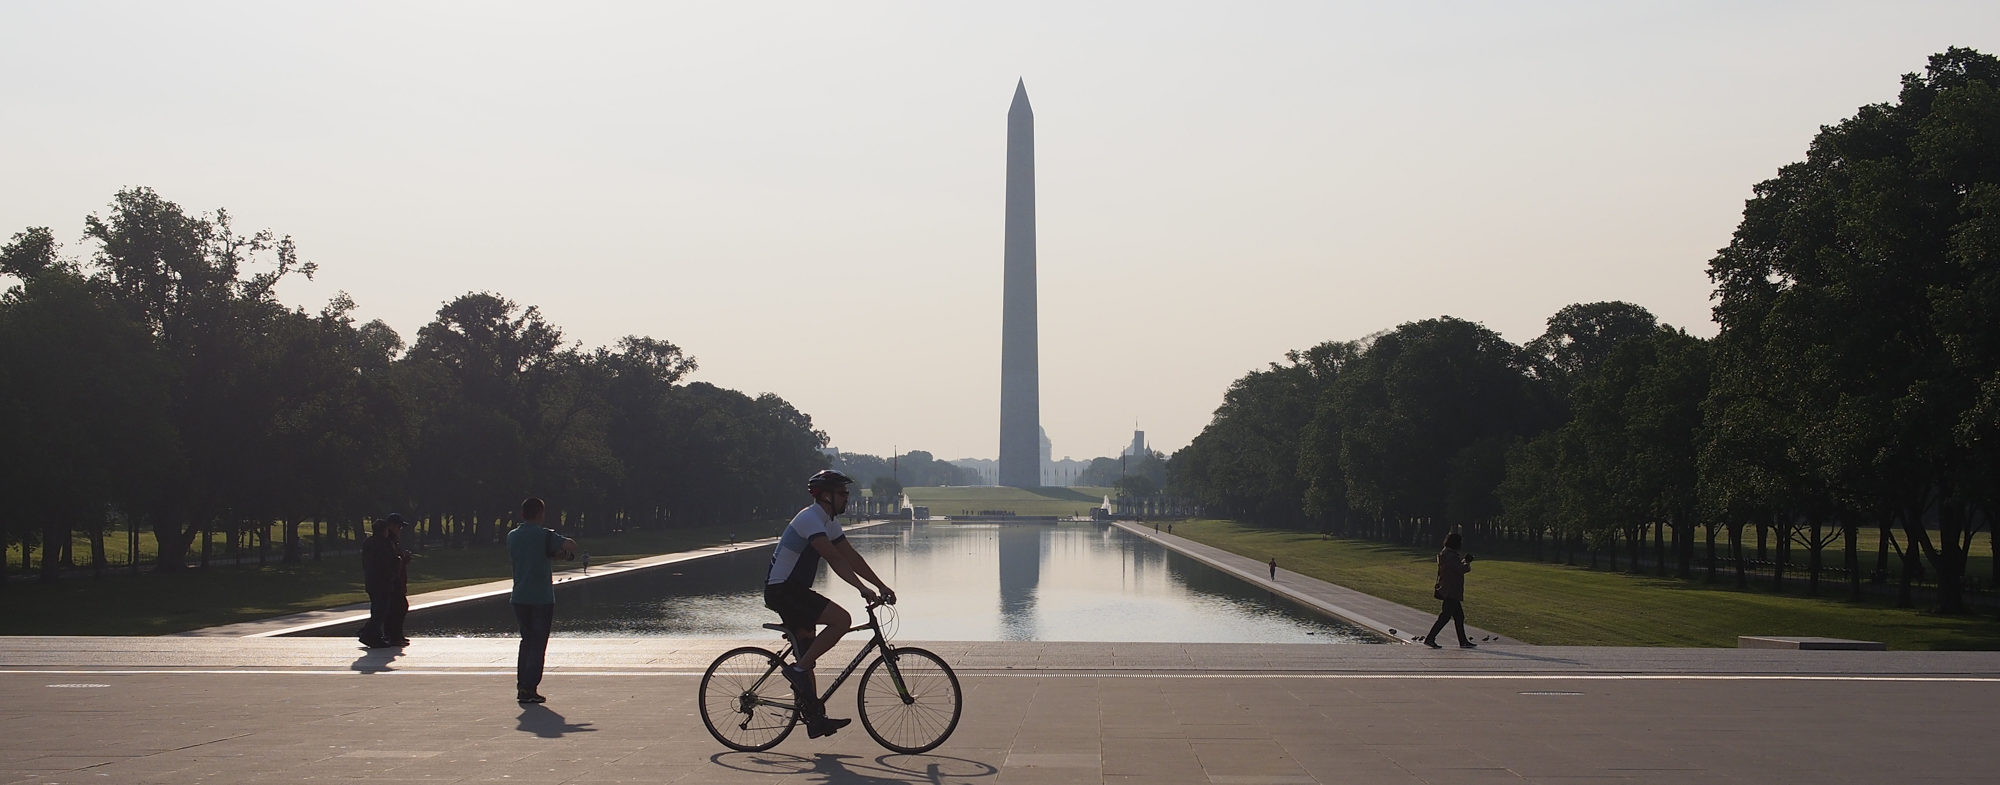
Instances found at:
x=915 y=468
x=1854 y=385
x=159 y=382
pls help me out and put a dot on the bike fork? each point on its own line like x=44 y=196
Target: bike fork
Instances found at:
x=896 y=675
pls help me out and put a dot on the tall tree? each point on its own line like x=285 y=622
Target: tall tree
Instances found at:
x=1841 y=285
x=187 y=279
x=1426 y=416
x=82 y=406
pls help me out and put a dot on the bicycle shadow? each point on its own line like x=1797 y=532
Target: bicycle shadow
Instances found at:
x=837 y=769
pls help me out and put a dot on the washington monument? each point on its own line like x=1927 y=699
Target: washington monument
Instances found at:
x=1020 y=376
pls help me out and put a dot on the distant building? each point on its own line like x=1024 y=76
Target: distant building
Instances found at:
x=988 y=469
x=1138 y=446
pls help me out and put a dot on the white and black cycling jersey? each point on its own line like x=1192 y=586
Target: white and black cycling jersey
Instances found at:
x=795 y=561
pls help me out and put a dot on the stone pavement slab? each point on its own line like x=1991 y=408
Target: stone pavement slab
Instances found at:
x=203 y=710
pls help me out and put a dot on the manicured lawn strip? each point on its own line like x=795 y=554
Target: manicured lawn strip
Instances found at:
x=155 y=604
x=958 y=499
x=1552 y=604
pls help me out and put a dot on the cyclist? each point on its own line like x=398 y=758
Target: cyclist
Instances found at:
x=814 y=534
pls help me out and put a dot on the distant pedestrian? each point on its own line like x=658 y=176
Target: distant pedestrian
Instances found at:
x=1450 y=588
x=385 y=574
x=530 y=546
x=1274 y=568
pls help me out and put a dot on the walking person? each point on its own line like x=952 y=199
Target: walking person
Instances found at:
x=1450 y=588
x=531 y=546
x=814 y=535
x=1274 y=569
x=385 y=574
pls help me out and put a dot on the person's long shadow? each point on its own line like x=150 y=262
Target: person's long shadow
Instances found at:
x=1525 y=656
x=545 y=722
x=837 y=769
x=376 y=660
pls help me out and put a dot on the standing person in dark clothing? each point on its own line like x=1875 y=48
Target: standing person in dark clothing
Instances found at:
x=1451 y=589
x=399 y=610
x=530 y=546
x=1274 y=568
x=385 y=571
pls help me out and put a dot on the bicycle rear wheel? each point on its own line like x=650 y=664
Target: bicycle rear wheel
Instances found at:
x=745 y=702
x=909 y=700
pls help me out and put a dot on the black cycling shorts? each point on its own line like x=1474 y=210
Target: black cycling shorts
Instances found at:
x=798 y=606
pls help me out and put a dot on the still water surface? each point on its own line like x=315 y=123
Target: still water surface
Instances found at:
x=1002 y=582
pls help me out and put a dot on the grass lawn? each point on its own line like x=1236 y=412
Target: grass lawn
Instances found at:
x=1556 y=605
x=1978 y=557
x=118 y=548
x=969 y=499
x=154 y=604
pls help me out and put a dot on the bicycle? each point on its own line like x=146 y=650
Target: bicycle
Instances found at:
x=911 y=708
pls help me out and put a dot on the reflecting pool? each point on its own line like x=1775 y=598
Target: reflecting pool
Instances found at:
x=1073 y=581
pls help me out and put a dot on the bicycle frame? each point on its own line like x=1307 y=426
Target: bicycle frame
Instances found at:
x=875 y=641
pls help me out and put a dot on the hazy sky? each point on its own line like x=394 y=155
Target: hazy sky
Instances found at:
x=808 y=197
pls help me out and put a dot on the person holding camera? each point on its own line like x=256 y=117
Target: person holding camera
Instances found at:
x=531 y=546
x=1451 y=589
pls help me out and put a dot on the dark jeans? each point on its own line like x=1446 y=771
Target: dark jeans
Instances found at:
x=385 y=617
x=1454 y=612
x=536 y=620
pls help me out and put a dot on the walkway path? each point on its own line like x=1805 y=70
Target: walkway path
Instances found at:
x=180 y=711
x=1401 y=623
x=240 y=705
x=569 y=572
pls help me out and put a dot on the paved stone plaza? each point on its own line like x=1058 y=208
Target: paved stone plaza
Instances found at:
x=225 y=708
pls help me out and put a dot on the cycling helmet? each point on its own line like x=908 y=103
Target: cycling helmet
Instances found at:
x=828 y=480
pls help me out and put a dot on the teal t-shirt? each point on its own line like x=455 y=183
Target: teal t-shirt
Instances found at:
x=534 y=575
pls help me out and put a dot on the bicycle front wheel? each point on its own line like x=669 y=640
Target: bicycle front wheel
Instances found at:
x=909 y=700
x=745 y=702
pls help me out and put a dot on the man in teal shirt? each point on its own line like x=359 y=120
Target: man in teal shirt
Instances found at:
x=531 y=545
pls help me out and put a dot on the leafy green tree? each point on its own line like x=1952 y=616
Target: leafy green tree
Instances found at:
x=1638 y=416
x=639 y=393
x=1137 y=486
x=1325 y=495
x=886 y=488
x=83 y=406
x=1849 y=276
x=1426 y=415
x=1580 y=338
x=1245 y=462
x=186 y=279
x=1101 y=472
x=482 y=371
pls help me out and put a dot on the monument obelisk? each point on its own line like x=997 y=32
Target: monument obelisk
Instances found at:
x=1020 y=375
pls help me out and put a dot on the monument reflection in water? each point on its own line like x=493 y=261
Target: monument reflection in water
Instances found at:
x=1010 y=582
